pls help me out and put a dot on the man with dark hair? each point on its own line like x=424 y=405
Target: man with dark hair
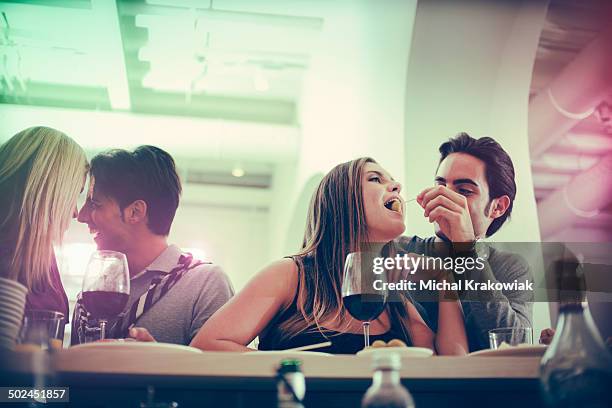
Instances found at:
x=131 y=203
x=472 y=199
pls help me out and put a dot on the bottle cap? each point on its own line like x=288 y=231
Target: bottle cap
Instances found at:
x=389 y=361
x=290 y=366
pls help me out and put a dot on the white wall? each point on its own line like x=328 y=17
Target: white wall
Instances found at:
x=470 y=70
x=234 y=238
x=353 y=95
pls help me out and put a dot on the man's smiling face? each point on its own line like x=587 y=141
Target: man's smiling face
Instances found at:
x=104 y=218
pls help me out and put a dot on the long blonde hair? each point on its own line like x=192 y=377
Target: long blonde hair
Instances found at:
x=336 y=225
x=41 y=174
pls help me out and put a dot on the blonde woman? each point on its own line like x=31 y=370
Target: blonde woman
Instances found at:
x=42 y=172
x=297 y=301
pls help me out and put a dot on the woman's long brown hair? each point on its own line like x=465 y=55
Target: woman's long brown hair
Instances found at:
x=336 y=225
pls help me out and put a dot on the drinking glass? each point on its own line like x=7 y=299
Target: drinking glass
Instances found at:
x=363 y=297
x=106 y=287
x=43 y=328
x=510 y=336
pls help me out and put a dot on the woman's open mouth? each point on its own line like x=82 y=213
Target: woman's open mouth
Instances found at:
x=394 y=204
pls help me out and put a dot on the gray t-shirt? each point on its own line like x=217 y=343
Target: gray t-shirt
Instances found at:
x=506 y=308
x=178 y=315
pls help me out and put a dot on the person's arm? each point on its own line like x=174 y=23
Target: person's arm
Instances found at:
x=248 y=313
x=451 y=337
x=501 y=308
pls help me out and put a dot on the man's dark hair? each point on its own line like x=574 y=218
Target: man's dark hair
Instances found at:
x=149 y=174
x=499 y=169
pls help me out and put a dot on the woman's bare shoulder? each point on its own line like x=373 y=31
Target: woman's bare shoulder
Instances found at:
x=285 y=268
x=280 y=278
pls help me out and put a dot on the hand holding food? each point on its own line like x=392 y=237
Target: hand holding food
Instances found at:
x=546 y=336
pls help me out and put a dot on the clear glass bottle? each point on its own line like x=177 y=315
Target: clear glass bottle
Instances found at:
x=576 y=370
x=386 y=390
x=290 y=384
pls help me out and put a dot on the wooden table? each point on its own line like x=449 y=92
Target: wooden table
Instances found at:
x=231 y=379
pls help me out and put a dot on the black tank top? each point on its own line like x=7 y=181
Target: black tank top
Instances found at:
x=342 y=343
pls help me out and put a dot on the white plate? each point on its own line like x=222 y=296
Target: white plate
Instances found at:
x=412 y=352
x=519 y=351
x=287 y=354
x=136 y=345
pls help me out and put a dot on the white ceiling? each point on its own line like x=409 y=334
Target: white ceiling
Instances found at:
x=236 y=60
x=221 y=78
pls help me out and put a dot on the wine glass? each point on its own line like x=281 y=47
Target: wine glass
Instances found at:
x=363 y=292
x=106 y=287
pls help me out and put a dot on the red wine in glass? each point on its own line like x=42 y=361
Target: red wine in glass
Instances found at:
x=104 y=305
x=365 y=306
x=106 y=286
x=359 y=294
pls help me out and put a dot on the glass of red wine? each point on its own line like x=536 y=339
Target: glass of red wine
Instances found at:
x=363 y=297
x=106 y=287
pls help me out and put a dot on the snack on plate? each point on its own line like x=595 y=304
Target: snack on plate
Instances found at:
x=391 y=343
x=396 y=343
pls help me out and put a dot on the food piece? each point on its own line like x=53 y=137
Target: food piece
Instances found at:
x=378 y=344
x=396 y=206
x=396 y=343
